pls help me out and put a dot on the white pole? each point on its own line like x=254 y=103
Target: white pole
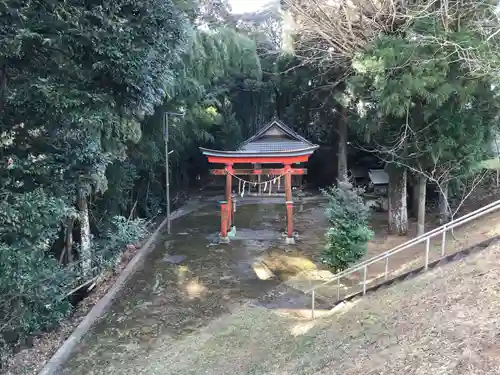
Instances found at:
x=443 y=243
x=313 y=297
x=427 y=248
x=364 y=279
x=167 y=178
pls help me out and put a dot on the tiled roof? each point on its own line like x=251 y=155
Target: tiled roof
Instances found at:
x=378 y=176
x=274 y=146
x=275 y=140
x=285 y=139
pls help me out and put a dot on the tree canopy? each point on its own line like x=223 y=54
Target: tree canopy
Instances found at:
x=82 y=89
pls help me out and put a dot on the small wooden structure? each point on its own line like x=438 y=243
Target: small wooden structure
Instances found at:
x=278 y=147
x=379 y=181
x=377 y=194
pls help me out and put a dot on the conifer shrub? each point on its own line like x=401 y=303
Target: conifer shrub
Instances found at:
x=349 y=232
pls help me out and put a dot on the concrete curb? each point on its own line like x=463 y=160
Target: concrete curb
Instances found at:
x=64 y=352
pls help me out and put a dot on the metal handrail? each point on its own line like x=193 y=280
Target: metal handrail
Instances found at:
x=424 y=237
x=437 y=230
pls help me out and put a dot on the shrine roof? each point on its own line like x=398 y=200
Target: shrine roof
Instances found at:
x=274 y=140
x=378 y=176
x=275 y=137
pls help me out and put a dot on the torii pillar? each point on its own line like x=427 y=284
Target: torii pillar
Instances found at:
x=229 y=193
x=290 y=239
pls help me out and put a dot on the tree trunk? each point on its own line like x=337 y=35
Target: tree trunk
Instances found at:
x=68 y=241
x=414 y=197
x=342 y=147
x=422 y=185
x=85 y=245
x=444 y=209
x=398 y=213
x=278 y=97
x=287 y=32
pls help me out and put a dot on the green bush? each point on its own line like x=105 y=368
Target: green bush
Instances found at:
x=349 y=231
x=32 y=283
x=121 y=232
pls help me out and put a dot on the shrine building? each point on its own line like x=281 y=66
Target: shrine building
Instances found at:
x=277 y=147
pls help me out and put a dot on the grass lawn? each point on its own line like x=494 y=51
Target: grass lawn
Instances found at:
x=446 y=321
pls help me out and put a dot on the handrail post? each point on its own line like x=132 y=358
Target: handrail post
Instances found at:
x=338 y=289
x=443 y=242
x=427 y=248
x=386 y=275
x=364 y=279
x=312 y=304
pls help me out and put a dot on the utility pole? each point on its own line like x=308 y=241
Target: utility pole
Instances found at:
x=167 y=170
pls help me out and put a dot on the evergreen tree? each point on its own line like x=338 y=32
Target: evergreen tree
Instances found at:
x=425 y=107
x=349 y=233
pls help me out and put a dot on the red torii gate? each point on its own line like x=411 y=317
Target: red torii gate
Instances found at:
x=274 y=144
